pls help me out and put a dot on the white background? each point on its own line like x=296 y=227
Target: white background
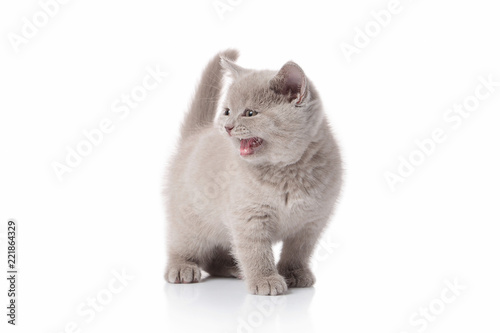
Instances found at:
x=386 y=253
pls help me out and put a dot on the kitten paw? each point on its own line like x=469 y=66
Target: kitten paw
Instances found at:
x=297 y=278
x=270 y=285
x=183 y=273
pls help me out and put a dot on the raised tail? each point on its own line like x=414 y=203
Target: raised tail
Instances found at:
x=206 y=98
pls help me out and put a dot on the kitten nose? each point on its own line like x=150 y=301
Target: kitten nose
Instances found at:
x=228 y=129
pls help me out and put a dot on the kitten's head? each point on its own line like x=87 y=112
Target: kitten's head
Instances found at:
x=270 y=117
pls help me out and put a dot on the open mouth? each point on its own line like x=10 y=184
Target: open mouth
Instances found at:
x=249 y=146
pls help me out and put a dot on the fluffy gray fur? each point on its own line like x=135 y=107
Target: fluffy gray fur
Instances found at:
x=226 y=208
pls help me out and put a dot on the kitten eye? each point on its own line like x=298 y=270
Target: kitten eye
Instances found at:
x=250 y=113
x=227 y=112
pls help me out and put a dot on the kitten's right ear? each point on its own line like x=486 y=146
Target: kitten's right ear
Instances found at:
x=227 y=59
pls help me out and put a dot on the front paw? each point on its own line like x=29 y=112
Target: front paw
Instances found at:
x=297 y=277
x=267 y=285
x=183 y=273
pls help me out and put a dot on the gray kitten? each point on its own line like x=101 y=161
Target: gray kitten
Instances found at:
x=267 y=170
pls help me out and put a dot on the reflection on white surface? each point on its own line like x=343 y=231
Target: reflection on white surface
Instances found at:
x=223 y=305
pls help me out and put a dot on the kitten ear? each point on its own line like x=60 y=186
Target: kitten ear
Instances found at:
x=233 y=69
x=290 y=81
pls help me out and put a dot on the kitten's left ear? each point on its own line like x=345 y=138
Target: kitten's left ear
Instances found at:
x=291 y=82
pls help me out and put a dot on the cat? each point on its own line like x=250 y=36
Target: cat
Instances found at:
x=268 y=169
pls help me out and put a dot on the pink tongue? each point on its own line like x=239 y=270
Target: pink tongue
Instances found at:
x=245 y=147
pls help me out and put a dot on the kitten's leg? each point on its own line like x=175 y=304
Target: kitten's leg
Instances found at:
x=222 y=263
x=295 y=255
x=186 y=248
x=253 y=249
x=181 y=269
